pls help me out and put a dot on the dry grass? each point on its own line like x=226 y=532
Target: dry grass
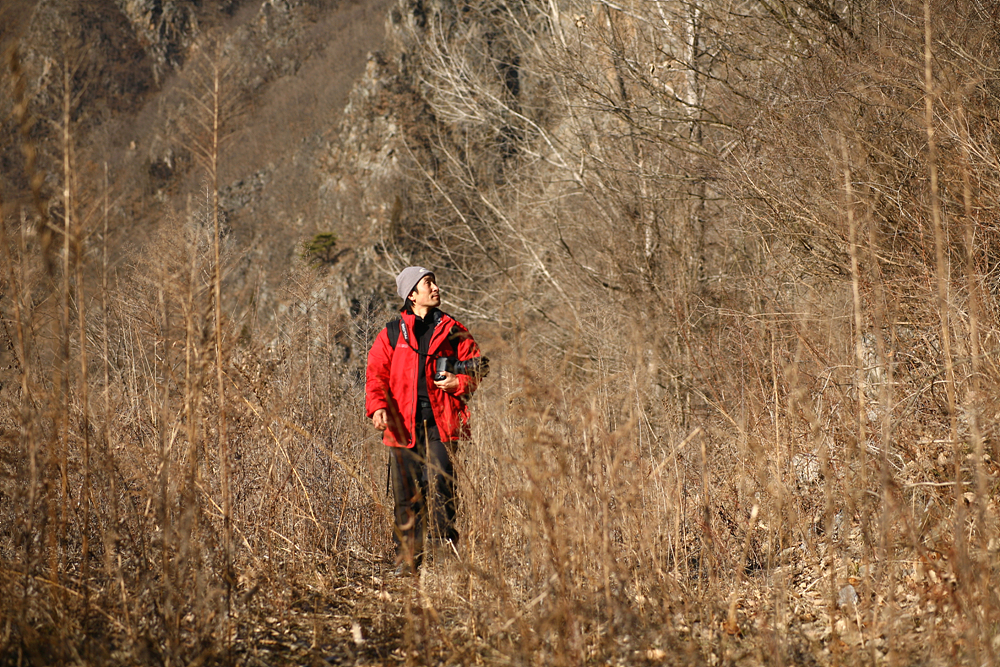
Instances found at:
x=749 y=423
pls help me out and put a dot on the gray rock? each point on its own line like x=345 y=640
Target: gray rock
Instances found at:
x=847 y=598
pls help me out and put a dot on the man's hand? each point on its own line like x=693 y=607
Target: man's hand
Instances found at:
x=379 y=419
x=449 y=384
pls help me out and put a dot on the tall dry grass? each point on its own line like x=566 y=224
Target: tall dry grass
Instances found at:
x=169 y=470
x=762 y=232
x=724 y=425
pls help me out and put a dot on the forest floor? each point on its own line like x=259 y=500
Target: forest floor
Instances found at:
x=794 y=614
x=371 y=616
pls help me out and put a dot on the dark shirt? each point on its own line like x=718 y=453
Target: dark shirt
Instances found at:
x=423 y=330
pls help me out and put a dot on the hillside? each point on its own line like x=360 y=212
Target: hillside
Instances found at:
x=289 y=67
x=734 y=265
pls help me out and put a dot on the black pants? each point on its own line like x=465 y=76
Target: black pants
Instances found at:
x=423 y=485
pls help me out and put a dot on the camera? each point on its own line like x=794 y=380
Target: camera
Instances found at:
x=477 y=367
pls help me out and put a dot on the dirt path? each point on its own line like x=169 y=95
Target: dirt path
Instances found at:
x=359 y=614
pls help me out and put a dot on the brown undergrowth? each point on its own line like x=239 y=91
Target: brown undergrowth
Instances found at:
x=749 y=423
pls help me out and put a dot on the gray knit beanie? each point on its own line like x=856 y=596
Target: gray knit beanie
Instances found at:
x=408 y=279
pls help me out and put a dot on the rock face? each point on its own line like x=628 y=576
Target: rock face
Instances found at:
x=164 y=29
x=110 y=75
x=326 y=125
x=398 y=136
x=140 y=71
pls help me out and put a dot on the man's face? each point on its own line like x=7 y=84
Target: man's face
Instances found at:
x=426 y=294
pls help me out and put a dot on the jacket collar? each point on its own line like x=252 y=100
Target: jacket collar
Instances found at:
x=409 y=319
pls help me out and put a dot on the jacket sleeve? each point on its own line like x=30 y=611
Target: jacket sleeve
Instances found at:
x=467 y=349
x=377 y=393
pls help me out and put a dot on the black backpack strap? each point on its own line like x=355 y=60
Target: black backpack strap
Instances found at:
x=392 y=330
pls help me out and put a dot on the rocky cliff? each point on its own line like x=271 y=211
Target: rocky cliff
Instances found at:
x=138 y=75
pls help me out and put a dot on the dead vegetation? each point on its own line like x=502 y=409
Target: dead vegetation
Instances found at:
x=735 y=265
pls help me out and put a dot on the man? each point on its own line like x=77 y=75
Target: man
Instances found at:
x=421 y=412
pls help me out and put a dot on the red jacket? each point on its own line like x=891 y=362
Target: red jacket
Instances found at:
x=392 y=381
